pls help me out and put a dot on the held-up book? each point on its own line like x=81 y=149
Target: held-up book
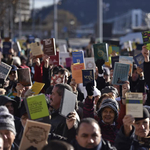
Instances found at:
x=62 y=58
x=37 y=87
x=127 y=60
x=16 y=47
x=77 y=72
x=146 y=37
x=78 y=57
x=67 y=103
x=88 y=76
x=134 y=104
x=49 y=46
x=55 y=59
x=24 y=76
x=36 y=49
x=101 y=51
x=37 y=109
x=6 y=47
x=113 y=60
x=4 y=70
x=120 y=74
x=89 y=63
x=63 y=48
x=68 y=62
x=35 y=135
x=139 y=60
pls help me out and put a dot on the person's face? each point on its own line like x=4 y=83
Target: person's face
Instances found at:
x=88 y=135
x=10 y=107
x=107 y=78
x=135 y=75
x=55 y=98
x=108 y=115
x=96 y=98
x=8 y=137
x=1 y=143
x=142 y=127
x=13 y=75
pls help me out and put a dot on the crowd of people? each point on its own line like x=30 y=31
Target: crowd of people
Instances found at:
x=99 y=120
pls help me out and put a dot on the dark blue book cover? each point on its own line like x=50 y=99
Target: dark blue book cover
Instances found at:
x=6 y=47
x=113 y=60
x=78 y=57
x=88 y=76
x=120 y=74
x=139 y=60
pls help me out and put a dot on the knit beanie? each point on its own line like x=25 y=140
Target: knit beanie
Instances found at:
x=109 y=89
x=6 y=120
x=145 y=114
x=111 y=103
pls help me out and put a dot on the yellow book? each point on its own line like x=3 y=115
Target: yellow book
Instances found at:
x=37 y=87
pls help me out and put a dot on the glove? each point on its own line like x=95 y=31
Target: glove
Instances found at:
x=90 y=89
x=99 y=64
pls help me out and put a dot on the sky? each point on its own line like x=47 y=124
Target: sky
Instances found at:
x=41 y=3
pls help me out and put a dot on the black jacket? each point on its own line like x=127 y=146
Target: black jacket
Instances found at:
x=123 y=142
x=104 y=145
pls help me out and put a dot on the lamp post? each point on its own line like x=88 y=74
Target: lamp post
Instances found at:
x=55 y=21
x=100 y=20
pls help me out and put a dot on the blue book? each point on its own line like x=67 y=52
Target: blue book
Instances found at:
x=6 y=47
x=139 y=60
x=120 y=74
x=78 y=57
x=88 y=76
x=113 y=60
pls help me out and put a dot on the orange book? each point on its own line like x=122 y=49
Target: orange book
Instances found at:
x=77 y=72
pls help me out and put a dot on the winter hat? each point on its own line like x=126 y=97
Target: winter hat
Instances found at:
x=109 y=89
x=111 y=103
x=145 y=114
x=106 y=71
x=4 y=99
x=6 y=120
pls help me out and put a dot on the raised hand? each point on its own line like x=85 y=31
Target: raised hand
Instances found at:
x=145 y=53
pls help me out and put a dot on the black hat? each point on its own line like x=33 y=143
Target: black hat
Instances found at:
x=145 y=114
x=111 y=103
x=109 y=89
x=5 y=99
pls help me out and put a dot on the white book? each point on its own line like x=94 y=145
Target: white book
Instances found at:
x=89 y=63
x=134 y=104
x=67 y=103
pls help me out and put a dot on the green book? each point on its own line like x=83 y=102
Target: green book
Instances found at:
x=37 y=109
x=100 y=51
